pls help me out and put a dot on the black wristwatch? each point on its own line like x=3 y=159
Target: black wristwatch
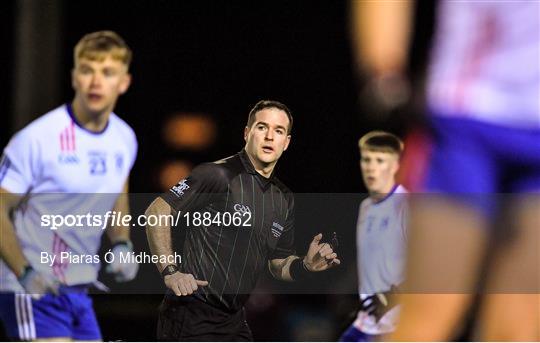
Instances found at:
x=169 y=270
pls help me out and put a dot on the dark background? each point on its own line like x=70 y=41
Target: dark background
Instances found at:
x=220 y=58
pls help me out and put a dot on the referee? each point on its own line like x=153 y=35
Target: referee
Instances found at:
x=235 y=217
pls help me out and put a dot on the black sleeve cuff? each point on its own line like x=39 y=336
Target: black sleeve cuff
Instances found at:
x=299 y=271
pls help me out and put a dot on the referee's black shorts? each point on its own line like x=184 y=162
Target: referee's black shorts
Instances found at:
x=191 y=319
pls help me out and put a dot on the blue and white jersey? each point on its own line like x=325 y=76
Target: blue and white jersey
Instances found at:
x=484 y=63
x=381 y=236
x=60 y=168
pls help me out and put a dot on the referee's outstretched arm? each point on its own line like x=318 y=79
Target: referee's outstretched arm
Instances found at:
x=320 y=257
x=159 y=239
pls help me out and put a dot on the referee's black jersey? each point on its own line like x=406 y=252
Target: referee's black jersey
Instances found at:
x=244 y=220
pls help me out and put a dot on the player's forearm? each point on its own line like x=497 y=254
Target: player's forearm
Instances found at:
x=159 y=236
x=280 y=268
x=10 y=249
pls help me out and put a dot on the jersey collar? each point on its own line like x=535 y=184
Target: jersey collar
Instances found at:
x=251 y=169
x=392 y=191
x=69 y=109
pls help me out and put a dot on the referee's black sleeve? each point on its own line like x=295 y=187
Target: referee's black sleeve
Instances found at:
x=285 y=245
x=198 y=189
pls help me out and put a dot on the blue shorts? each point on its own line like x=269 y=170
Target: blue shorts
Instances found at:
x=481 y=162
x=352 y=334
x=69 y=315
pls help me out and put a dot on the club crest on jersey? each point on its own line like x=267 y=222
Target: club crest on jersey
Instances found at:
x=242 y=209
x=180 y=188
x=119 y=159
x=277 y=229
x=384 y=224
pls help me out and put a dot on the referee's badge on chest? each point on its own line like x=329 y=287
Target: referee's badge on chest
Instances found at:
x=242 y=209
x=277 y=229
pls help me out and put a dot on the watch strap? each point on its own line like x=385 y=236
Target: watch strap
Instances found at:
x=169 y=270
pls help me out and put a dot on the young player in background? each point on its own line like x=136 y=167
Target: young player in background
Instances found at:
x=73 y=160
x=380 y=237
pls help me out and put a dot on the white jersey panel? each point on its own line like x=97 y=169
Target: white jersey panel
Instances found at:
x=381 y=240
x=485 y=62
x=62 y=169
x=381 y=236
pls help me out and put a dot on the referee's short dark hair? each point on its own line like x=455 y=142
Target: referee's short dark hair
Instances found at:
x=261 y=105
x=381 y=141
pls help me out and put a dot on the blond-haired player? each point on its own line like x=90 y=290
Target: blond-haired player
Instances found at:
x=73 y=160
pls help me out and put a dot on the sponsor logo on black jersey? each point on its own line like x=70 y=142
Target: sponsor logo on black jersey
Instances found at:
x=180 y=188
x=277 y=229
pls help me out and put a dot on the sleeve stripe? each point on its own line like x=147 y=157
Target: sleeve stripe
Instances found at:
x=5 y=163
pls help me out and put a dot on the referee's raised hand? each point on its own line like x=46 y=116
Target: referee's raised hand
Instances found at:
x=183 y=284
x=320 y=256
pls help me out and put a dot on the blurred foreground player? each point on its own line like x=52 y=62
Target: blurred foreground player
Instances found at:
x=380 y=238
x=58 y=165
x=480 y=224
x=246 y=222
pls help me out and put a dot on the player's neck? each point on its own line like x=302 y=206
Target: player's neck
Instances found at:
x=95 y=122
x=264 y=169
x=266 y=172
x=378 y=196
